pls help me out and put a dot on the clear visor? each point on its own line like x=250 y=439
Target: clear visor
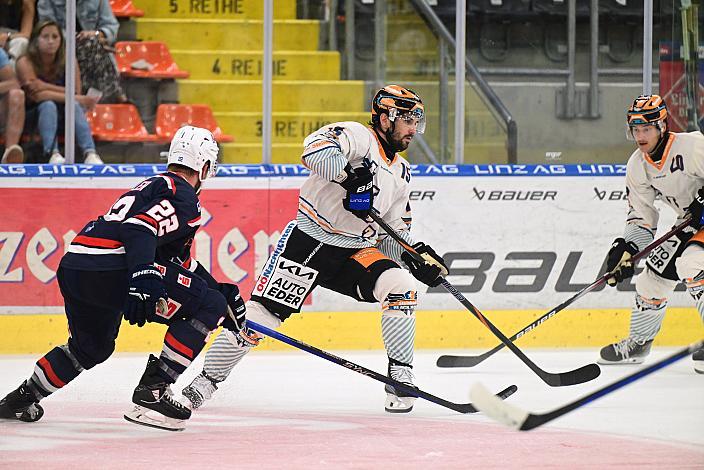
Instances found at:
x=412 y=118
x=632 y=129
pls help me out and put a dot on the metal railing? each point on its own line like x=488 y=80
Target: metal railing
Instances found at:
x=486 y=92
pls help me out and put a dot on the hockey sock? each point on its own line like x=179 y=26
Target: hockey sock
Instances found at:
x=398 y=328
x=54 y=370
x=184 y=340
x=646 y=318
x=223 y=356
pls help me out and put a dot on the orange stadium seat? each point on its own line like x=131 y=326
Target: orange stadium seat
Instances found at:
x=118 y=123
x=125 y=9
x=169 y=117
x=148 y=59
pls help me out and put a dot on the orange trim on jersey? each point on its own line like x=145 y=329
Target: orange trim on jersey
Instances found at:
x=368 y=256
x=381 y=148
x=666 y=153
x=96 y=242
x=317 y=219
x=698 y=237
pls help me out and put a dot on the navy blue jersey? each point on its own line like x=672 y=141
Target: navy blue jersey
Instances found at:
x=155 y=221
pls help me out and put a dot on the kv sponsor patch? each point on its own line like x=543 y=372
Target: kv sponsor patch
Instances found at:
x=290 y=283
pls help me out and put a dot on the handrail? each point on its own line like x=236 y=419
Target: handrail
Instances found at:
x=494 y=101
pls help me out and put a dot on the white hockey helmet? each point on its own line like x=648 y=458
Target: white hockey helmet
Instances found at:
x=193 y=147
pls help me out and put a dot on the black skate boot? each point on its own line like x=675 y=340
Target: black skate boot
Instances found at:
x=155 y=404
x=626 y=351
x=698 y=358
x=400 y=401
x=21 y=404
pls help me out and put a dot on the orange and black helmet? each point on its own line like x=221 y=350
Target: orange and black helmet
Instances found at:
x=647 y=109
x=396 y=100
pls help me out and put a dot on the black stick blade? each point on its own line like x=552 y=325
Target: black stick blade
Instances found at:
x=458 y=361
x=573 y=377
x=470 y=408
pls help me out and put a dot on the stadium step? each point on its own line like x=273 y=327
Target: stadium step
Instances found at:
x=299 y=35
x=288 y=96
x=252 y=153
x=247 y=65
x=289 y=153
x=286 y=127
x=215 y=9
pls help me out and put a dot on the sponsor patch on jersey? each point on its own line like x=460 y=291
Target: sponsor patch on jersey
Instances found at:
x=185 y=281
x=289 y=283
x=162 y=269
x=663 y=255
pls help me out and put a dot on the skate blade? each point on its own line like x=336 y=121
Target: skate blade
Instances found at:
x=630 y=360
x=699 y=367
x=396 y=404
x=147 y=417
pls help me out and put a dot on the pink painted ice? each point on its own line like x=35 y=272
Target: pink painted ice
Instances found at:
x=296 y=411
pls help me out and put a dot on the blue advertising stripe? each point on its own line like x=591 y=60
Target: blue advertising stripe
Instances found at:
x=236 y=171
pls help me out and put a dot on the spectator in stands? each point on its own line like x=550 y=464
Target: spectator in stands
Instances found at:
x=11 y=111
x=16 y=22
x=97 y=32
x=41 y=74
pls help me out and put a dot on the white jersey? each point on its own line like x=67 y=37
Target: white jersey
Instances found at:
x=320 y=210
x=676 y=177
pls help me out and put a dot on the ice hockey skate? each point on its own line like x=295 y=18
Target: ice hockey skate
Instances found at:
x=21 y=404
x=399 y=401
x=200 y=390
x=155 y=406
x=698 y=358
x=626 y=351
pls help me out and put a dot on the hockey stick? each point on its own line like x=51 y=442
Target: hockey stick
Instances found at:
x=471 y=361
x=459 y=407
x=577 y=376
x=521 y=420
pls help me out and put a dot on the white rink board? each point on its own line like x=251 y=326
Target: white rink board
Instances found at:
x=475 y=216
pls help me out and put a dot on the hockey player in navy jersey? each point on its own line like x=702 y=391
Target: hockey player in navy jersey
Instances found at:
x=334 y=243
x=135 y=261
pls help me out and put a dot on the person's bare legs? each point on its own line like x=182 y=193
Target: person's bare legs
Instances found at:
x=12 y=112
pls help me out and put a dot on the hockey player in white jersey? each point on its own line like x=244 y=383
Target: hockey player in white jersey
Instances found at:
x=334 y=244
x=670 y=165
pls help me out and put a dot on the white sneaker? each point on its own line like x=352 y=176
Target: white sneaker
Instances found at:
x=93 y=158
x=57 y=159
x=13 y=154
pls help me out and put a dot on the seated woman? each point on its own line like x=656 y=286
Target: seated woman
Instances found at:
x=41 y=74
x=97 y=30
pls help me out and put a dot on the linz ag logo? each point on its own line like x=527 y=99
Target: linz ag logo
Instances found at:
x=511 y=195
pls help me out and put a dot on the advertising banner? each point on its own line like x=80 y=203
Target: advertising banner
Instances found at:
x=515 y=236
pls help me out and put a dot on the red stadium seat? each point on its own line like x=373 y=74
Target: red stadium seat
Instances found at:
x=125 y=9
x=148 y=59
x=170 y=117
x=118 y=123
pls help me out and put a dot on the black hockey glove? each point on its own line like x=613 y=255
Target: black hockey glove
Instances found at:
x=696 y=209
x=236 y=313
x=145 y=294
x=619 y=262
x=359 y=184
x=432 y=271
x=236 y=318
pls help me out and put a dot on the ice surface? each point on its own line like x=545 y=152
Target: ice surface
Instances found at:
x=294 y=410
